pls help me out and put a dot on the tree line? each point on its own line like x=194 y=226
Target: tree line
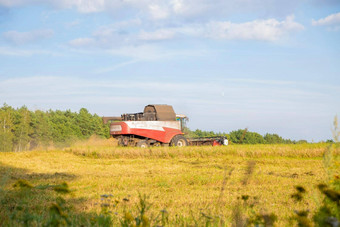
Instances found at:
x=22 y=129
x=243 y=136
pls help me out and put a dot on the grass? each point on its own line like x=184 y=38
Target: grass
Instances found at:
x=250 y=151
x=183 y=186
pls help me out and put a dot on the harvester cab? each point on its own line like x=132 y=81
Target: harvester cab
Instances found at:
x=183 y=120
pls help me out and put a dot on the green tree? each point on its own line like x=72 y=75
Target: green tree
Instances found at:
x=237 y=136
x=86 y=123
x=22 y=129
x=245 y=137
x=301 y=141
x=63 y=130
x=41 y=134
x=102 y=130
x=273 y=139
x=6 y=127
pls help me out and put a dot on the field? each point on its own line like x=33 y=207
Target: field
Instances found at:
x=191 y=186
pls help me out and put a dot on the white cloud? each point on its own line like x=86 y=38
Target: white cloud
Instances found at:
x=20 y=38
x=161 y=34
x=177 y=5
x=158 y=12
x=198 y=10
x=12 y=3
x=162 y=9
x=132 y=33
x=333 y=19
x=193 y=8
x=237 y=88
x=84 y=6
x=81 y=42
x=267 y=30
x=89 y=6
x=9 y=51
x=142 y=52
x=109 y=36
x=118 y=27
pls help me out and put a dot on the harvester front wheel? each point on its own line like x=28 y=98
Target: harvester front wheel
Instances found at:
x=179 y=141
x=142 y=144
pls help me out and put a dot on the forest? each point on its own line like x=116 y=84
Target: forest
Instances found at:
x=24 y=129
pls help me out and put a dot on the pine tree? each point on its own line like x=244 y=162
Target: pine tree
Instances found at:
x=41 y=134
x=22 y=129
x=6 y=127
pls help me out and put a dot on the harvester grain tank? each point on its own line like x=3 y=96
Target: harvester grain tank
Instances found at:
x=157 y=125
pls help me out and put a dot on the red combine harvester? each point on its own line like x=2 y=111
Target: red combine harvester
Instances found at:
x=158 y=125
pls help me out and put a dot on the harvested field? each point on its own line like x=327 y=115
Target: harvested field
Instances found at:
x=184 y=186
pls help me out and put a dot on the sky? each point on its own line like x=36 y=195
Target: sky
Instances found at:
x=269 y=66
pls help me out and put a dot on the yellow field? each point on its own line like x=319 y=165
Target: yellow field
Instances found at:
x=184 y=186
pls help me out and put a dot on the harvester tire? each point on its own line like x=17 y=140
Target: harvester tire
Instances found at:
x=179 y=141
x=142 y=144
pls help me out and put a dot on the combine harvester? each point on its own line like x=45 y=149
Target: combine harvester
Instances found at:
x=158 y=125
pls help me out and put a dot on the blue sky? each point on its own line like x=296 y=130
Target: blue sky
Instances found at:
x=270 y=66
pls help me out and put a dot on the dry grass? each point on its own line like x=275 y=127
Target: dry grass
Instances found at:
x=186 y=182
x=250 y=151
